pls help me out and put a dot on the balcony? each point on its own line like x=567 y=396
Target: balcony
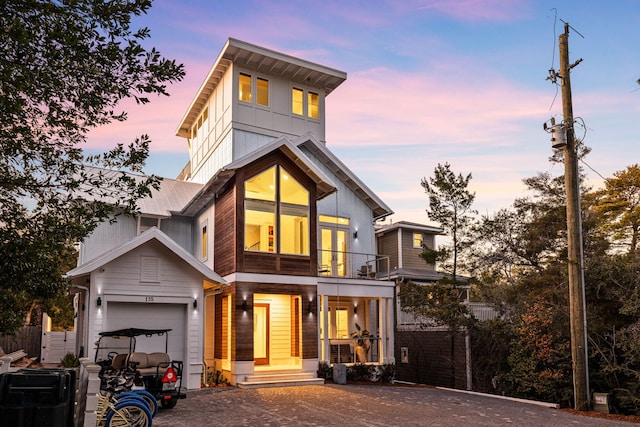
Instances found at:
x=353 y=265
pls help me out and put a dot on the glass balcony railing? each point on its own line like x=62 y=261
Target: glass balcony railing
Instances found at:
x=353 y=265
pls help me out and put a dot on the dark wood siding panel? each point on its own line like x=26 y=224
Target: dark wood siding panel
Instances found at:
x=243 y=332
x=259 y=262
x=225 y=233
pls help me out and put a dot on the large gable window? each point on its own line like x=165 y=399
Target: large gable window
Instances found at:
x=274 y=201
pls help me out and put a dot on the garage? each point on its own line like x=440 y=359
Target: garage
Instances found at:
x=121 y=315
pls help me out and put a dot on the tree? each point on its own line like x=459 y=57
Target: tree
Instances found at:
x=619 y=203
x=64 y=68
x=449 y=204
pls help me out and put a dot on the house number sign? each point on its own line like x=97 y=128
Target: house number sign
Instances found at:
x=148 y=299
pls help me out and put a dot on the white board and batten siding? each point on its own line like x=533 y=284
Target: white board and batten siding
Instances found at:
x=151 y=287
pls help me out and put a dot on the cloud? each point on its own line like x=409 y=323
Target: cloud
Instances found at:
x=476 y=10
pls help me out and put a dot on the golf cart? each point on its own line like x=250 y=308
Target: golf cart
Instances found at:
x=124 y=368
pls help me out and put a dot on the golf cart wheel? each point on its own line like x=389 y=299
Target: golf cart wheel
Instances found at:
x=169 y=403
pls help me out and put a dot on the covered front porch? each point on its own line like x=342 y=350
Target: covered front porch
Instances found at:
x=355 y=320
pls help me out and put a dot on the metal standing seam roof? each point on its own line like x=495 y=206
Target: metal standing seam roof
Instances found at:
x=263 y=60
x=172 y=197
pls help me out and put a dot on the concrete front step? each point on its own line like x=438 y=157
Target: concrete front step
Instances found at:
x=280 y=383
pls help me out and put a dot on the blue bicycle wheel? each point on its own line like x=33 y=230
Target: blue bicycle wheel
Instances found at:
x=130 y=412
x=150 y=398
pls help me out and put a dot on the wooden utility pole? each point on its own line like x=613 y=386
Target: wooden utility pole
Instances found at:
x=577 y=305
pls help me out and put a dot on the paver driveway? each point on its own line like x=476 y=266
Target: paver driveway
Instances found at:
x=354 y=405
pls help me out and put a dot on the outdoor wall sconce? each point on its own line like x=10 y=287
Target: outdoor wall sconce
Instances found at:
x=355 y=309
x=244 y=305
x=99 y=302
x=195 y=303
x=355 y=234
x=310 y=308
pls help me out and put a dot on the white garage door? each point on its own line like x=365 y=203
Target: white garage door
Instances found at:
x=121 y=315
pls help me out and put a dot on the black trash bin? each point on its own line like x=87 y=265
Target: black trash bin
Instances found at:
x=37 y=397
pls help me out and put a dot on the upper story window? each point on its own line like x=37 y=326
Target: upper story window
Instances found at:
x=297 y=101
x=417 y=240
x=244 y=87
x=312 y=105
x=298 y=106
x=276 y=213
x=262 y=92
x=204 y=242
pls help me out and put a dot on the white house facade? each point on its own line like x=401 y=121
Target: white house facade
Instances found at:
x=261 y=257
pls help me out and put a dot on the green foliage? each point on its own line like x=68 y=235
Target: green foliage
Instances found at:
x=386 y=373
x=437 y=304
x=325 y=370
x=360 y=372
x=619 y=204
x=70 y=360
x=65 y=68
x=215 y=377
x=450 y=205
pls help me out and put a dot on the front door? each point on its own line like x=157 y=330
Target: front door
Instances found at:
x=261 y=334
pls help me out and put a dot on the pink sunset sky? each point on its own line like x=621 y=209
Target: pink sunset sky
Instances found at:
x=428 y=82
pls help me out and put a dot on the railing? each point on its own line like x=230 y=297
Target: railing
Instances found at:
x=354 y=350
x=353 y=265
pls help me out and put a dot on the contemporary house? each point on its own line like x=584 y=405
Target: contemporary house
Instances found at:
x=261 y=257
x=425 y=353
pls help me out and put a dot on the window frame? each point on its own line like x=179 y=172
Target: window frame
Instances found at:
x=415 y=239
x=281 y=209
x=240 y=91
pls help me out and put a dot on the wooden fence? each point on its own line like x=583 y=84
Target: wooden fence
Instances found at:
x=27 y=338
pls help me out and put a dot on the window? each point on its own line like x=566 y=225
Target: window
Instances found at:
x=417 y=240
x=342 y=323
x=262 y=92
x=204 y=242
x=260 y=212
x=312 y=108
x=297 y=99
x=290 y=234
x=294 y=216
x=244 y=88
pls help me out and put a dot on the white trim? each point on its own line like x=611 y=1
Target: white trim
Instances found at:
x=271 y=278
x=152 y=233
x=400 y=255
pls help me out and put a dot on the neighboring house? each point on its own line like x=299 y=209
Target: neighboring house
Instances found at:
x=262 y=256
x=425 y=353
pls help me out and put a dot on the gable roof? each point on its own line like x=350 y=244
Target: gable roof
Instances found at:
x=289 y=149
x=151 y=234
x=263 y=60
x=344 y=174
x=172 y=196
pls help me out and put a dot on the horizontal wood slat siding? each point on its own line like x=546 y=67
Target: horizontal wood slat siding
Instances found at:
x=410 y=255
x=388 y=245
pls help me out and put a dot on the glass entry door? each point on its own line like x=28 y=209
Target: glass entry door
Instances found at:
x=333 y=260
x=261 y=334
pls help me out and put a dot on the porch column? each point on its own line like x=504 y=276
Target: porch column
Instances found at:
x=390 y=320
x=325 y=330
x=383 y=330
